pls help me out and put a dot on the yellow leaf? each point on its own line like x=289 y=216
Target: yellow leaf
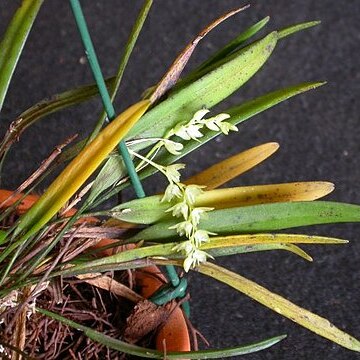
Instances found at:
x=262 y=194
x=234 y=166
x=282 y=306
x=252 y=239
x=80 y=169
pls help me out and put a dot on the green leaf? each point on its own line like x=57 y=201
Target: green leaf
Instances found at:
x=79 y=170
x=150 y=209
x=208 y=91
x=129 y=47
x=3 y=235
x=217 y=246
x=112 y=171
x=296 y=28
x=233 y=44
x=194 y=75
x=105 y=263
x=262 y=218
x=282 y=306
x=173 y=73
x=46 y=107
x=238 y=115
x=14 y=40
x=243 y=249
x=155 y=354
x=239 y=244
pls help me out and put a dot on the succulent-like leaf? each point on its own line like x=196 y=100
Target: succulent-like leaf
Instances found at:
x=244 y=249
x=230 y=168
x=263 y=194
x=239 y=244
x=14 y=40
x=284 y=307
x=209 y=90
x=217 y=246
x=251 y=239
x=238 y=114
x=151 y=209
x=262 y=218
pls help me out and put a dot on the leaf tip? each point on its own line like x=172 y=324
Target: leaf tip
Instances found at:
x=320 y=83
x=274 y=146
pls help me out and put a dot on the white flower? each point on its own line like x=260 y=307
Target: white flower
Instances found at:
x=172 y=191
x=192 y=192
x=211 y=125
x=183 y=228
x=172 y=172
x=199 y=256
x=194 y=131
x=173 y=147
x=181 y=132
x=199 y=115
x=201 y=236
x=225 y=127
x=196 y=213
x=180 y=209
x=194 y=259
x=186 y=246
x=188 y=132
x=217 y=123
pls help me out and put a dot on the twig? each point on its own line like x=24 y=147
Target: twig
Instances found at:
x=40 y=170
x=77 y=199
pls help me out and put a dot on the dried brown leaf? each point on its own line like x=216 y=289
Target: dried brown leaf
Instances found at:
x=107 y=283
x=175 y=70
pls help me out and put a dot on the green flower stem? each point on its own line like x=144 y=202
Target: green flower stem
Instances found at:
x=150 y=162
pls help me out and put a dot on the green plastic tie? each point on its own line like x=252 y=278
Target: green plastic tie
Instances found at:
x=176 y=287
x=168 y=292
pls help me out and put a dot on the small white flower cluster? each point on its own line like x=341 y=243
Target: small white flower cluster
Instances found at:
x=183 y=198
x=191 y=130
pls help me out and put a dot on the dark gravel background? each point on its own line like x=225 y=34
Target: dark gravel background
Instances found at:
x=318 y=132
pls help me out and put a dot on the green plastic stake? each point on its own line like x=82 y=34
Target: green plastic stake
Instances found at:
x=179 y=286
x=105 y=97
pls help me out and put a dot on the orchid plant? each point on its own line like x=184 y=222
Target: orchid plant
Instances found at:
x=190 y=224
